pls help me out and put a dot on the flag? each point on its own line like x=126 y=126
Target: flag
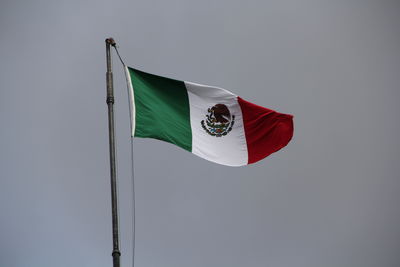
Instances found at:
x=208 y=121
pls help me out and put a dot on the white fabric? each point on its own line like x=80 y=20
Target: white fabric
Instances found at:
x=230 y=149
x=132 y=107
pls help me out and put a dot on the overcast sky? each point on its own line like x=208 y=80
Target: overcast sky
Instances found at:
x=329 y=199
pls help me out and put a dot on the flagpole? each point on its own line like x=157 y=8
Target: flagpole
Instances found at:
x=114 y=203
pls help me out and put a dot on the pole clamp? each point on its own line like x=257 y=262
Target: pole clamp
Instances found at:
x=110 y=100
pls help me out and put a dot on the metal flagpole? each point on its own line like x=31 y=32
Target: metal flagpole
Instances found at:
x=114 y=203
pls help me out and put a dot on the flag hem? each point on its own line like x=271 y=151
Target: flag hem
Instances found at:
x=132 y=109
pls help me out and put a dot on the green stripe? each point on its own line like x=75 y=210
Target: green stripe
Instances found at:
x=162 y=109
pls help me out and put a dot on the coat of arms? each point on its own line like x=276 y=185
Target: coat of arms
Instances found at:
x=219 y=121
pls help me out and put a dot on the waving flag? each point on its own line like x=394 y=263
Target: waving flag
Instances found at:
x=208 y=121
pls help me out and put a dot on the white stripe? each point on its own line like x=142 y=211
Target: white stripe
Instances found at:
x=230 y=149
x=132 y=108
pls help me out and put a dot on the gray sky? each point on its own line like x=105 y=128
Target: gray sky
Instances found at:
x=330 y=198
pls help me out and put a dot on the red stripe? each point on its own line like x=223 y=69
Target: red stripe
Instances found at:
x=266 y=130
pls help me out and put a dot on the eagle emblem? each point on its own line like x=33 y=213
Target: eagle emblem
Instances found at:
x=219 y=121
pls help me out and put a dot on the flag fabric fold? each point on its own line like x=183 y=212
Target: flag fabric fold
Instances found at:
x=208 y=121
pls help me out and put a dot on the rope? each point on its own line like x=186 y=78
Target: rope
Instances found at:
x=116 y=50
x=133 y=208
x=132 y=169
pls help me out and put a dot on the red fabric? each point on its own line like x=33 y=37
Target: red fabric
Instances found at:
x=266 y=130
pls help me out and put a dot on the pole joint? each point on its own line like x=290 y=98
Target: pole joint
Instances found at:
x=116 y=253
x=110 y=100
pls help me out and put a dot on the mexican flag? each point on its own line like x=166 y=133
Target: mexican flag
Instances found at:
x=208 y=121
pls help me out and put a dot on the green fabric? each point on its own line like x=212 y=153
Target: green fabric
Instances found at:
x=162 y=109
